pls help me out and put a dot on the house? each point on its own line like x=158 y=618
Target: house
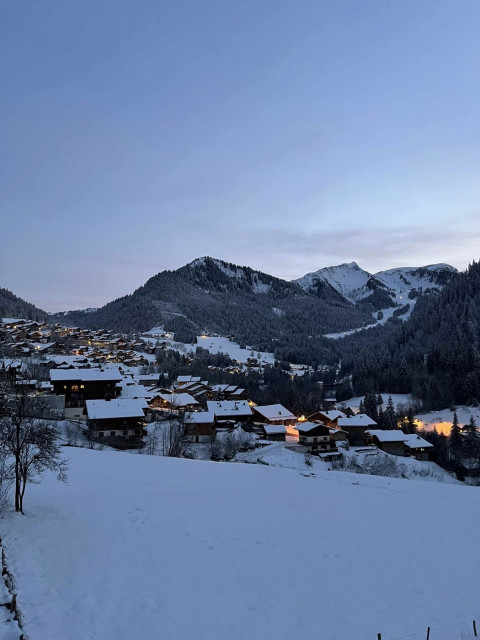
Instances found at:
x=230 y=410
x=276 y=432
x=316 y=437
x=79 y=385
x=274 y=414
x=173 y=402
x=356 y=427
x=201 y=426
x=328 y=417
x=118 y=422
x=181 y=380
x=391 y=441
x=418 y=447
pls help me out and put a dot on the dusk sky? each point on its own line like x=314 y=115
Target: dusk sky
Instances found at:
x=288 y=136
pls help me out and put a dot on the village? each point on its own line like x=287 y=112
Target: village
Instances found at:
x=96 y=382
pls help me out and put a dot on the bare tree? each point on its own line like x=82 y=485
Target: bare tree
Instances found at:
x=6 y=480
x=30 y=442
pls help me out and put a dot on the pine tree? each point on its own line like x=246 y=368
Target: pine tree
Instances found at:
x=456 y=439
x=390 y=417
x=370 y=404
x=471 y=443
x=379 y=400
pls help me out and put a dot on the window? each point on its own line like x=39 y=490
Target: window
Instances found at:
x=112 y=433
x=125 y=433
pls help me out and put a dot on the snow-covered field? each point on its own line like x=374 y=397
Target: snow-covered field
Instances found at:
x=440 y=420
x=397 y=398
x=150 y=547
x=213 y=344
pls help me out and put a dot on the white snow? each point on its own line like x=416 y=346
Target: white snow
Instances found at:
x=213 y=344
x=275 y=412
x=148 y=547
x=118 y=408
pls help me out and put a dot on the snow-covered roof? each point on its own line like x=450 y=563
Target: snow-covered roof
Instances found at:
x=178 y=399
x=118 y=408
x=85 y=375
x=200 y=417
x=389 y=435
x=134 y=391
x=359 y=420
x=271 y=429
x=275 y=412
x=229 y=408
x=413 y=441
x=188 y=379
x=333 y=414
x=305 y=427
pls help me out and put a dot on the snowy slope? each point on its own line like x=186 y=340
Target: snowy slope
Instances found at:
x=147 y=547
x=348 y=279
x=355 y=284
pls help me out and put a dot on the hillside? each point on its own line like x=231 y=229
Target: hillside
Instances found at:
x=13 y=307
x=145 y=547
x=435 y=355
x=382 y=290
x=255 y=308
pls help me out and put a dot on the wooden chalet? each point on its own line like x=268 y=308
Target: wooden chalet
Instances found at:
x=118 y=422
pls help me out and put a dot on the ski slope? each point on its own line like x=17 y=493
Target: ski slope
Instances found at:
x=147 y=547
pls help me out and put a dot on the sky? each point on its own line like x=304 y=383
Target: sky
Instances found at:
x=284 y=135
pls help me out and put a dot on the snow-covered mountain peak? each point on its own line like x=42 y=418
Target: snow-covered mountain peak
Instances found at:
x=347 y=278
x=386 y=289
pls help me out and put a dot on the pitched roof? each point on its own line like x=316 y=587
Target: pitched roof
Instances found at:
x=389 y=435
x=414 y=441
x=85 y=375
x=118 y=408
x=305 y=427
x=200 y=417
x=275 y=412
x=229 y=408
x=358 y=420
x=271 y=429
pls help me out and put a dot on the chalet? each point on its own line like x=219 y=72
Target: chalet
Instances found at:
x=173 y=402
x=79 y=385
x=272 y=431
x=201 y=426
x=149 y=379
x=391 y=441
x=181 y=380
x=330 y=402
x=233 y=410
x=117 y=422
x=356 y=427
x=418 y=447
x=316 y=437
x=274 y=414
x=328 y=417
x=229 y=392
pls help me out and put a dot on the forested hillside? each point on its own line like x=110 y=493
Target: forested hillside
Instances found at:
x=257 y=309
x=435 y=354
x=13 y=307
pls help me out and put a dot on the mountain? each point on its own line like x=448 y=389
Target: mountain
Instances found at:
x=13 y=307
x=381 y=290
x=255 y=308
x=435 y=355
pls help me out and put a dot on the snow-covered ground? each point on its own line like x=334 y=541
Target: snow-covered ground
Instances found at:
x=397 y=398
x=150 y=547
x=213 y=344
x=440 y=420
